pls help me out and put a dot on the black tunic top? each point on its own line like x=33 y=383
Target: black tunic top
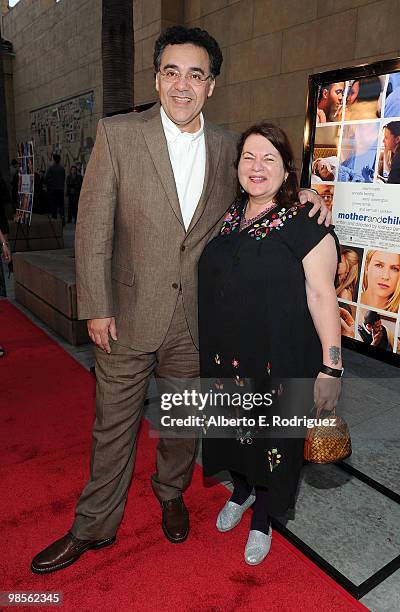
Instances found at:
x=256 y=330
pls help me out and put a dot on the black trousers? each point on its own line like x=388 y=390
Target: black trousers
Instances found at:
x=72 y=207
x=56 y=198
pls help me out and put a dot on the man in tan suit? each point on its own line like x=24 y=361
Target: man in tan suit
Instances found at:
x=155 y=192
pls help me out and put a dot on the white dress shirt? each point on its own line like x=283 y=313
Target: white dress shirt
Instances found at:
x=187 y=152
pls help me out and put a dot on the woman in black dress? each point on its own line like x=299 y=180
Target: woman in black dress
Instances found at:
x=269 y=324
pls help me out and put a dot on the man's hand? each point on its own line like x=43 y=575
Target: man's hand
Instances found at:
x=321 y=117
x=377 y=336
x=99 y=329
x=347 y=323
x=306 y=195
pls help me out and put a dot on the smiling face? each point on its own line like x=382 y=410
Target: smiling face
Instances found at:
x=181 y=100
x=383 y=273
x=261 y=171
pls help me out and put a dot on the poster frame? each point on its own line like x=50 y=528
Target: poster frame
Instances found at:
x=315 y=81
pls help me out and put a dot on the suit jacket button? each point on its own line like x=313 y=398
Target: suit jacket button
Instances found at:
x=183 y=248
x=175 y=285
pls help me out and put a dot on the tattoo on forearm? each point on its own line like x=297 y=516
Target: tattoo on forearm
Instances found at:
x=334 y=354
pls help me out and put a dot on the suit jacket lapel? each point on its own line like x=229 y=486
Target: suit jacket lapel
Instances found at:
x=213 y=142
x=155 y=140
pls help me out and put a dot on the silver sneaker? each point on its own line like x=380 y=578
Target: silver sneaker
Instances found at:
x=231 y=514
x=257 y=547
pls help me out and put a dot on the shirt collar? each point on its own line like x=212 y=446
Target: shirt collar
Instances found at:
x=172 y=132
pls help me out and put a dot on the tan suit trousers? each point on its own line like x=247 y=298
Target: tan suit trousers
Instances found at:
x=122 y=382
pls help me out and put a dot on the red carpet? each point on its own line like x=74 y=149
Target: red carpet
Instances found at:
x=46 y=416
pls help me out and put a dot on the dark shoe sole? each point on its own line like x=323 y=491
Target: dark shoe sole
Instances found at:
x=58 y=566
x=174 y=540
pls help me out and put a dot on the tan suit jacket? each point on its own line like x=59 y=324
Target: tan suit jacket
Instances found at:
x=132 y=251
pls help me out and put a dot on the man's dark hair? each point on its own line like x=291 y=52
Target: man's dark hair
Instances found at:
x=322 y=89
x=287 y=194
x=371 y=317
x=179 y=35
x=56 y=158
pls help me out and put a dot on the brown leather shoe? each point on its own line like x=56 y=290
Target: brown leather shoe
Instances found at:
x=175 y=520
x=65 y=551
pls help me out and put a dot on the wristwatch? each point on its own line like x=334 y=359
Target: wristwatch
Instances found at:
x=337 y=373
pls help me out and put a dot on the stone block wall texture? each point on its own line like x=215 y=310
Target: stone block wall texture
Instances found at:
x=57 y=50
x=9 y=94
x=270 y=47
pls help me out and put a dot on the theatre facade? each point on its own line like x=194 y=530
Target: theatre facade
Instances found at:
x=74 y=61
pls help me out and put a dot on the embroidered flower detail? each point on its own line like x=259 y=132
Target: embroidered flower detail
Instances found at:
x=276 y=221
x=232 y=220
x=205 y=424
x=217 y=359
x=235 y=363
x=280 y=390
x=261 y=229
x=242 y=437
x=239 y=382
x=269 y=368
x=218 y=384
x=274 y=458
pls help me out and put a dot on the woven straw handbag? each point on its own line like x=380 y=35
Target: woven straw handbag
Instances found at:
x=328 y=443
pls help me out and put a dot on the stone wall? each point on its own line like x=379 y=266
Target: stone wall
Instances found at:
x=150 y=17
x=57 y=50
x=270 y=47
x=8 y=61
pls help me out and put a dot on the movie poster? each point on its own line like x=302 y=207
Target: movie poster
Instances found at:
x=25 y=182
x=355 y=166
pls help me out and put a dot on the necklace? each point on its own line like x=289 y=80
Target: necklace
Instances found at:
x=246 y=222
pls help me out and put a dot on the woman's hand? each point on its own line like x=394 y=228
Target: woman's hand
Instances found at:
x=327 y=391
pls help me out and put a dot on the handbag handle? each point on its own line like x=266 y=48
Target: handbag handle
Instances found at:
x=319 y=411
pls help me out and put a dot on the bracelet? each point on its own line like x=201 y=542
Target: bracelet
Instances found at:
x=335 y=372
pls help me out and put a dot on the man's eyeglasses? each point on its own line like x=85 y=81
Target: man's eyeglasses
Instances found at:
x=194 y=78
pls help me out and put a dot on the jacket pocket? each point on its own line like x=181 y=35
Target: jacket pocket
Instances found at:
x=122 y=275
